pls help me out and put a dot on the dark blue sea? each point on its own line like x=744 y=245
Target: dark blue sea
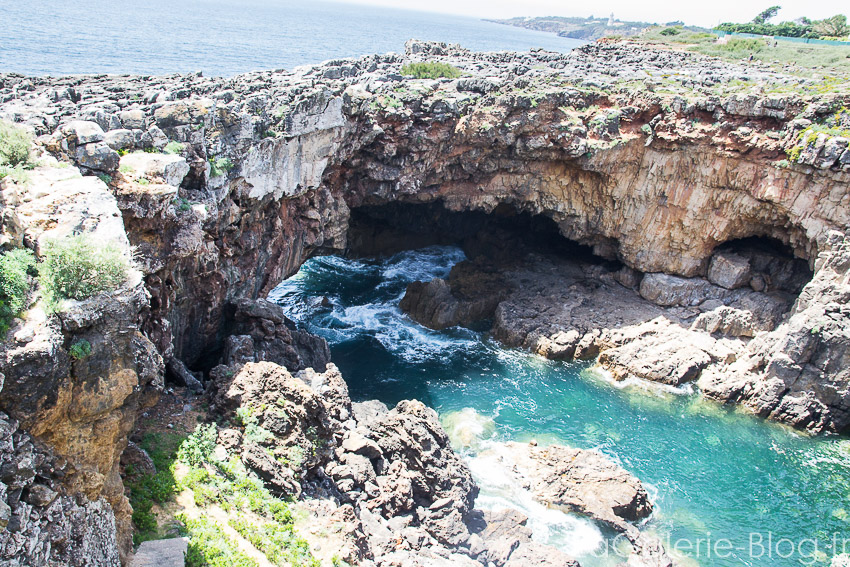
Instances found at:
x=226 y=37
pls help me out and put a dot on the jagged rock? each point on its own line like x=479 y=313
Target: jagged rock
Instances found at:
x=180 y=375
x=667 y=290
x=161 y=553
x=273 y=337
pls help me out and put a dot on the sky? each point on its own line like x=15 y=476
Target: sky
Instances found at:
x=692 y=13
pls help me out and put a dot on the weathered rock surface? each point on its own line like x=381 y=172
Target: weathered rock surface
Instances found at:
x=41 y=523
x=578 y=481
x=407 y=497
x=83 y=409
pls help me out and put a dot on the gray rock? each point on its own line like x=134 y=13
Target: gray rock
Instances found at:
x=82 y=132
x=40 y=495
x=161 y=553
x=98 y=156
x=667 y=290
x=119 y=139
x=729 y=270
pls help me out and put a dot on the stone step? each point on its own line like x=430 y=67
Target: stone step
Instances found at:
x=161 y=553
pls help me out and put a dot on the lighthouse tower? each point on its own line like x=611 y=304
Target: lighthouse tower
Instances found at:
x=611 y=20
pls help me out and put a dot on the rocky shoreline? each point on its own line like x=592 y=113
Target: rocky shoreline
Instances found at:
x=708 y=255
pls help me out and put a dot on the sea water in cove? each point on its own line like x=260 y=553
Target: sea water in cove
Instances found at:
x=223 y=37
x=712 y=472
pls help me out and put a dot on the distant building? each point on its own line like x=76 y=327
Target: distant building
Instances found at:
x=611 y=20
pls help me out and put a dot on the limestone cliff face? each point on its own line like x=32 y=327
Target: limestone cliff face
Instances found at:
x=271 y=165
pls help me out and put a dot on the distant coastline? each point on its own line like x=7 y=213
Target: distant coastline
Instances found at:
x=587 y=29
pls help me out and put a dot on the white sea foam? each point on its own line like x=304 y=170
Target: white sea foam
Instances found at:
x=633 y=382
x=473 y=434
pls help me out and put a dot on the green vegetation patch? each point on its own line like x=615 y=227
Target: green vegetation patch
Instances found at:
x=834 y=125
x=209 y=546
x=220 y=166
x=16 y=267
x=173 y=148
x=14 y=145
x=147 y=489
x=430 y=70
x=256 y=514
x=80 y=349
x=15 y=160
x=77 y=268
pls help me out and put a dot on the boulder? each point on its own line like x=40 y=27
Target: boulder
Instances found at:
x=81 y=132
x=168 y=167
x=667 y=290
x=729 y=270
x=98 y=156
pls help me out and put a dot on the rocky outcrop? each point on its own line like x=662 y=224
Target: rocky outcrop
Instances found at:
x=41 y=521
x=83 y=409
x=406 y=494
x=278 y=160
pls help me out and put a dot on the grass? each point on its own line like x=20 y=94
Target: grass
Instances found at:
x=835 y=125
x=147 y=489
x=209 y=546
x=76 y=267
x=173 y=148
x=260 y=517
x=830 y=63
x=430 y=70
x=16 y=266
x=15 y=160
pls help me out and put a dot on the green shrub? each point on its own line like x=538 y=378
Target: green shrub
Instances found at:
x=105 y=178
x=15 y=267
x=671 y=31
x=220 y=166
x=430 y=70
x=77 y=268
x=14 y=145
x=146 y=489
x=209 y=546
x=80 y=349
x=173 y=148
x=197 y=449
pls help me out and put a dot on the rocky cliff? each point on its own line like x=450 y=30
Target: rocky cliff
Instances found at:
x=223 y=187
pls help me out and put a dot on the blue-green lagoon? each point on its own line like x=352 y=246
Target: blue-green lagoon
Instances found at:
x=713 y=472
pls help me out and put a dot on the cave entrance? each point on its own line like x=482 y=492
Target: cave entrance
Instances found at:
x=762 y=263
x=501 y=236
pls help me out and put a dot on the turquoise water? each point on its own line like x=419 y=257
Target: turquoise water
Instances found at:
x=222 y=37
x=712 y=472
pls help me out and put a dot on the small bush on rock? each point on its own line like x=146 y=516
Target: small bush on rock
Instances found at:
x=80 y=349
x=173 y=148
x=15 y=267
x=197 y=449
x=14 y=145
x=78 y=268
x=430 y=70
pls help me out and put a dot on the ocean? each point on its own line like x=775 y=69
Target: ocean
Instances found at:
x=223 y=37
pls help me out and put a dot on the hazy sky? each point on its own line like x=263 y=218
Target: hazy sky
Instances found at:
x=694 y=13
